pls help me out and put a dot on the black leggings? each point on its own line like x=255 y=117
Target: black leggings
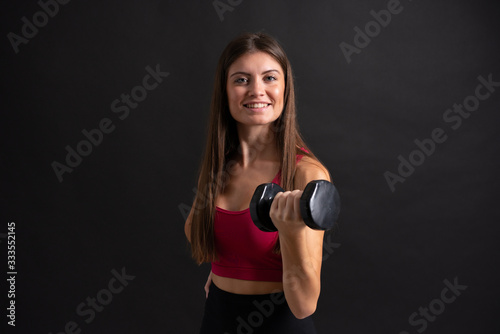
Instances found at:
x=229 y=313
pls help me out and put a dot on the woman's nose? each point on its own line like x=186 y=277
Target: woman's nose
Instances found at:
x=256 y=88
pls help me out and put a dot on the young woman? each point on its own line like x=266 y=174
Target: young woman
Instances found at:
x=260 y=282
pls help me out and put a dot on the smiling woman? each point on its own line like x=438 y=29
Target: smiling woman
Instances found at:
x=255 y=89
x=260 y=282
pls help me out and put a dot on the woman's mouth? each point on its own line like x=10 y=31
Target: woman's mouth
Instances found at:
x=257 y=106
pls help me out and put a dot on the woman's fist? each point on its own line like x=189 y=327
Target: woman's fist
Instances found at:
x=285 y=212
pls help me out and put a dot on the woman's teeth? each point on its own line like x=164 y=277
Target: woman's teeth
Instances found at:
x=256 y=105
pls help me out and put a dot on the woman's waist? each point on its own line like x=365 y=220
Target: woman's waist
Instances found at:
x=246 y=287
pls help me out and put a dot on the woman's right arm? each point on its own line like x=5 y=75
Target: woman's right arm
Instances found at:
x=207 y=284
x=187 y=231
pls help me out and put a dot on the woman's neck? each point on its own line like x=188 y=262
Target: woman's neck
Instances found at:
x=256 y=143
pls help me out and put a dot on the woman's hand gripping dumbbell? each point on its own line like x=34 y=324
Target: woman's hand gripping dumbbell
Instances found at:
x=319 y=205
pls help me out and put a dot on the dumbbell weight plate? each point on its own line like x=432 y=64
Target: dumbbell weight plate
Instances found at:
x=320 y=205
x=261 y=204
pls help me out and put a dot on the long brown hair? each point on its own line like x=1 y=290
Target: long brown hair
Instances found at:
x=222 y=140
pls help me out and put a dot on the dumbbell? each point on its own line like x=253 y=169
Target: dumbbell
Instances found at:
x=319 y=205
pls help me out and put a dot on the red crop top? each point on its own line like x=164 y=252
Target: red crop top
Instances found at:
x=245 y=252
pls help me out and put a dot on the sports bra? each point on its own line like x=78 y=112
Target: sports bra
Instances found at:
x=244 y=251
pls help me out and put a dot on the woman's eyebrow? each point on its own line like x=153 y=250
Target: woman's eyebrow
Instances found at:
x=244 y=73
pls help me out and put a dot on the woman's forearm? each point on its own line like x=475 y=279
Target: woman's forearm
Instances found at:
x=301 y=278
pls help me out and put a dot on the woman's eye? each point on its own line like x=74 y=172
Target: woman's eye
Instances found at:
x=241 y=80
x=271 y=78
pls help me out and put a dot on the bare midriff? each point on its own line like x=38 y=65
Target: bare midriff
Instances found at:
x=245 y=287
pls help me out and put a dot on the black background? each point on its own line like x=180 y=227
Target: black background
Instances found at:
x=120 y=207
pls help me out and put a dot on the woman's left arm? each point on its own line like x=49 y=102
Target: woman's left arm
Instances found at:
x=301 y=247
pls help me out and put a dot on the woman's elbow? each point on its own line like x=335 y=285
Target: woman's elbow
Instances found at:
x=303 y=311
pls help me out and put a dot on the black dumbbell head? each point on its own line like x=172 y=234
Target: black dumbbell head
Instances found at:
x=261 y=204
x=320 y=205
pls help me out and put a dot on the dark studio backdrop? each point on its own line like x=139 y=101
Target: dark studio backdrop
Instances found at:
x=400 y=100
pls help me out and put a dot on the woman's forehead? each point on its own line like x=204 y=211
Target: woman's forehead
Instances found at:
x=255 y=62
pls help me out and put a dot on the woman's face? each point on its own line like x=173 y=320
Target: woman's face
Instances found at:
x=255 y=89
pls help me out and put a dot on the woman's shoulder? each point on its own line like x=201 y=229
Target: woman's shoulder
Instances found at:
x=309 y=169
